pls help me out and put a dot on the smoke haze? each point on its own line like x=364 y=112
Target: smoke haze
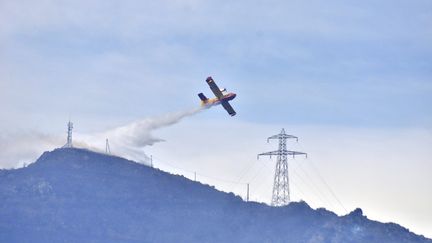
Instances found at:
x=18 y=149
x=128 y=141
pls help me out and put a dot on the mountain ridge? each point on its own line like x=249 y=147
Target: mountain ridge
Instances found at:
x=74 y=194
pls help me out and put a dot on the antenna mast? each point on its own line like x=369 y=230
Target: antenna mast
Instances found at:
x=281 y=193
x=247 y=194
x=107 y=147
x=69 y=137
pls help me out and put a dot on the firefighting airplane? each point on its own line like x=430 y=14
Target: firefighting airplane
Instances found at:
x=222 y=97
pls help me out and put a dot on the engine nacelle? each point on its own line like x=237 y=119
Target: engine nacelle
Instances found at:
x=223 y=90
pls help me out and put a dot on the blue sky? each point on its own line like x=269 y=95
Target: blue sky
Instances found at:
x=360 y=64
x=357 y=74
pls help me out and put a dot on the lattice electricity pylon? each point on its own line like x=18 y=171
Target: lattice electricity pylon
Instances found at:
x=281 y=193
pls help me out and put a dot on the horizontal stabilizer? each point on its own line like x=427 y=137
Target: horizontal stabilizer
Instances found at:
x=202 y=97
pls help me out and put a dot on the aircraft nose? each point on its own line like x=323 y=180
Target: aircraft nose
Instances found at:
x=234 y=95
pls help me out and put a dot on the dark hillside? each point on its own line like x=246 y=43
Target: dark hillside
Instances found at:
x=75 y=195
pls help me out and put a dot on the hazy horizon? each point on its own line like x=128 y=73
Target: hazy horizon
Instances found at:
x=351 y=79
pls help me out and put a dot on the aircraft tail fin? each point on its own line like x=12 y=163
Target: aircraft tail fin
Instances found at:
x=202 y=97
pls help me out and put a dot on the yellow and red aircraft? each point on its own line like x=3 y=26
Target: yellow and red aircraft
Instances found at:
x=222 y=97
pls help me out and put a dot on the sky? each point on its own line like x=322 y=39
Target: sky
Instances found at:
x=351 y=79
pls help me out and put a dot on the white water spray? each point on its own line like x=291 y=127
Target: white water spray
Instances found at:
x=129 y=140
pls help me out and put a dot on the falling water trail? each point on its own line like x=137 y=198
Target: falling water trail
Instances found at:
x=130 y=140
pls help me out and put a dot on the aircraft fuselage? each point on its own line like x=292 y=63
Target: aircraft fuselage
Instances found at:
x=217 y=101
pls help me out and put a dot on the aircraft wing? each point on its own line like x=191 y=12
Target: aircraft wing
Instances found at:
x=214 y=87
x=228 y=108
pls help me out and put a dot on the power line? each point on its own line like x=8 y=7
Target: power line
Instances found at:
x=316 y=195
x=323 y=198
x=256 y=176
x=298 y=188
x=326 y=184
x=245 y=172
x=199 y=174
x=259 y=172
x=328 y=187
